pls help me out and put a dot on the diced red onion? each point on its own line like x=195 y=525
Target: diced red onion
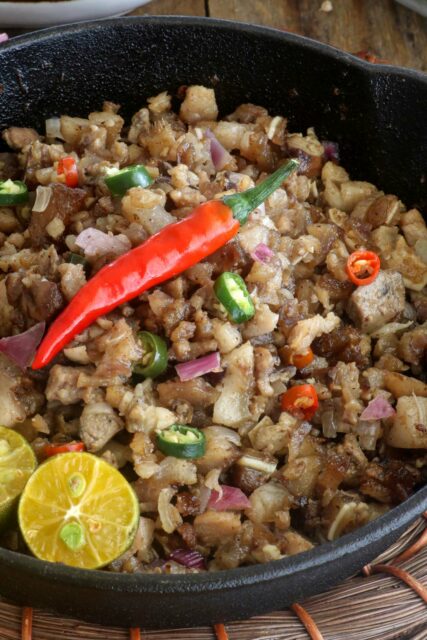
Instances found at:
x=332 y=151
x=200 y=366
x=97 y=243
x=220 y=156
x=377 y=409
x=3 y=37
x=262 y=253
x=188 y=558
x=232 y=499
x=22 y=348
x=43 y=196
x=53 y=128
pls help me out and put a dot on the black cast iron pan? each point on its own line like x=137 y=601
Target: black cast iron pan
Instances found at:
x=376 y=113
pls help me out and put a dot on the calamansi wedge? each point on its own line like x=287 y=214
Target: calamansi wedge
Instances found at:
x=17 y=463
x=77 y=509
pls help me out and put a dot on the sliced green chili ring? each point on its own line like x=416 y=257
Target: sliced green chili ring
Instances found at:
x=155 y=357
x=182 y=441
x=13 y=192
x=231 y=291
x=121 y=180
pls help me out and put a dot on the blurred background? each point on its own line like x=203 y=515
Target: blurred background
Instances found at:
x=382 y=28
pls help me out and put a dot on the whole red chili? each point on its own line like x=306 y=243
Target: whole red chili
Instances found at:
x=301 y=400
x=363 y=267
x=166 y=254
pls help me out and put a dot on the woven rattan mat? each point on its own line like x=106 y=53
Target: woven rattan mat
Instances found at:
x=387 y=601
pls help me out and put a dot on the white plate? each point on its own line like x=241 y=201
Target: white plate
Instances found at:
x=420 y=6
x=43 y=14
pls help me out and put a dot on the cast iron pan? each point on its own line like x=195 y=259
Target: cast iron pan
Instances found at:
x=376 y=113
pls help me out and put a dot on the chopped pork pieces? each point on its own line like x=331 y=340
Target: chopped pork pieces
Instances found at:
x=272 y=482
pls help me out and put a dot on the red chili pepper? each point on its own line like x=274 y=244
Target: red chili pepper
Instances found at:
x=301 y=400
x=53 y=450
x=68 y=167
x=298 y=360
x=363 y=267
x=166 y=254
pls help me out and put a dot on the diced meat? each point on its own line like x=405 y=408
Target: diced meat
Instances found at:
x=199 y=104
x=345 y=379
x=19 y=137
x=372 y=306
x=264 y=366
x=18 y=396
x=171 y=471
x=293 y=543
x=414 y=227
x=419 y=300
x=7 y=312
x=232 y=407
x=383 y=210
x=216 y=527
x=309 y=152
x=98 y=424
x=72 y=279
x=344 y=344
x=266 y=501
x=63 y=203
x=9 y=166
x=197 y=392
x=389 y=481
x=252 y=470
x=221 y=449
x=273 y=438
x=34 y=298
x=400 y=385
x=120 y=350
x=413 y=345
x=409 y=425
x=305 y=331
x=263 y=322
x=62 y=384
x=395 y=253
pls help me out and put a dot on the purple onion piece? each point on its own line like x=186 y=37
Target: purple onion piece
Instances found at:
x=188 y=558
x=220 y=156
x=378 y=409
x=198 y=367
x=22 y=348
x=332 y=151
x=262 y=253
x=232 y=499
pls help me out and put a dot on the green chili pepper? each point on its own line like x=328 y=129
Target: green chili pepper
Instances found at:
x=75 y=258
x=181 y=441
x=121 y=180
x=231 y=291
x=155 y=355
x=13 y=192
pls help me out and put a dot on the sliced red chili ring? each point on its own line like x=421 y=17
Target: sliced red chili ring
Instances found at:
x=363 y=267
x=301 y=400
x=68 y=167
x=53 y=449
x=298 y=360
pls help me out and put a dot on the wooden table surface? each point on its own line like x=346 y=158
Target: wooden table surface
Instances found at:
x=383 y=27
